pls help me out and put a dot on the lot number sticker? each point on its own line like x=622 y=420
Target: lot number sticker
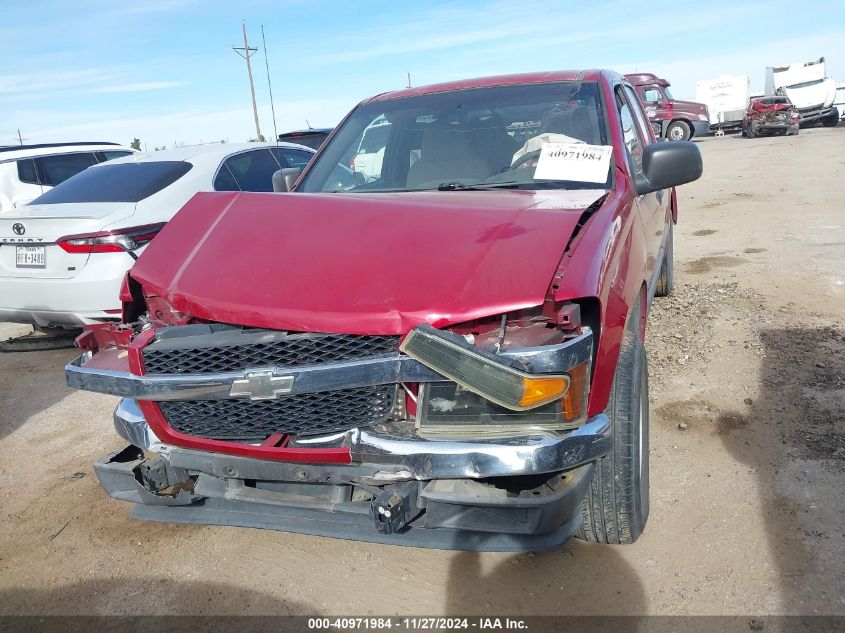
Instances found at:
x=573 y=161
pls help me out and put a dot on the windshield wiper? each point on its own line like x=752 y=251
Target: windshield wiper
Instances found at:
x=459 y=186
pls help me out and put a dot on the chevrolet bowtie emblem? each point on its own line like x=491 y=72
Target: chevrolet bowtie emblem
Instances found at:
x=261 y=385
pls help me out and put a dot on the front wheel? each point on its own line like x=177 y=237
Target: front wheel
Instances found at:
x=678 y=131
x=666 y=279
x=832 y=120
x=616 y=507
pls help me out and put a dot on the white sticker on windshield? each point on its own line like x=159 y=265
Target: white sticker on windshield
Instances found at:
x=573 y=161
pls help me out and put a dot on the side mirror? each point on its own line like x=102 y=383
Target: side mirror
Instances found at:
x=284 y=178
x=668 y=165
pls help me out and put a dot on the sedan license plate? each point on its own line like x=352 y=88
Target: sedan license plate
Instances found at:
x=31 y=257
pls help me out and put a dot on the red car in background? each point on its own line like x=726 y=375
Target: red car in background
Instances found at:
x=770 y=115
x=449 y=354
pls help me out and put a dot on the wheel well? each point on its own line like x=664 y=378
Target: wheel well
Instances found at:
x=591 y=316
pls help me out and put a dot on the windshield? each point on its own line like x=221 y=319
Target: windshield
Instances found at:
x=468 y=139
x=122 y=182
x=668 y=93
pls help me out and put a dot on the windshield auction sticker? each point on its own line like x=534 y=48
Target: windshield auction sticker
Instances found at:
x=573 y=161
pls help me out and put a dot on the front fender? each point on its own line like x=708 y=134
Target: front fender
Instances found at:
x=607 y=260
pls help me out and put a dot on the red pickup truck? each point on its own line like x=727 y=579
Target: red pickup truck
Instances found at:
x=447 y=353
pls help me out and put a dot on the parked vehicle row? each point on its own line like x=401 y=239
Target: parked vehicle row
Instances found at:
x=64 y=255
x=27 y=171
x=447 y=352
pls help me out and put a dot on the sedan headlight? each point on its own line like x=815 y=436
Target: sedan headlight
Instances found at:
x=488 y=395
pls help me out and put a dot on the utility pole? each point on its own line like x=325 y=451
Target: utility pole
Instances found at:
x=269 y=87
x=409 y=81
x=246 y=52
x=20 y=139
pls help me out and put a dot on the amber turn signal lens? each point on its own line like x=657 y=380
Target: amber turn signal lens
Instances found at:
x=538 y=391
x=574 y=400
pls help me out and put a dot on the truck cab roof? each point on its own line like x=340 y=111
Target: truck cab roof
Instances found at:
x=639 y=79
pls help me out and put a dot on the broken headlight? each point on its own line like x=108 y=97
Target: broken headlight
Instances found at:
x=500 y=394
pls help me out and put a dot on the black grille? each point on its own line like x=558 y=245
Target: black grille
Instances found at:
x=247 y=349
x=301 y=414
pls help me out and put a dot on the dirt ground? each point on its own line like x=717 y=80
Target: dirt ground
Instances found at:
x=748 y=453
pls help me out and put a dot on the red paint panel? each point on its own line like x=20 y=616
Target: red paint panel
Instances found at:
x=136 y=360
x=165 y=433
x=113 y=359
x=99 y=336
x=273 y=440
x=759 y=106
x=607 y=261
x=358 y=263
x=125 y=292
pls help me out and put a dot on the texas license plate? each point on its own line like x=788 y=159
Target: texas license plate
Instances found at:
x=31 y=257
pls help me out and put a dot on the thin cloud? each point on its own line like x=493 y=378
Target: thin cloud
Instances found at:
x=49 y=82
x=155 y=6
x=141 y=87
x=502 y=27
x=192 y=126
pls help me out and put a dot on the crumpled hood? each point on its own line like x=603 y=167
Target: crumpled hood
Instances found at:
x=360 y=263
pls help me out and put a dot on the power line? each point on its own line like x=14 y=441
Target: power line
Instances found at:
x=246 y=52
x=269 y=86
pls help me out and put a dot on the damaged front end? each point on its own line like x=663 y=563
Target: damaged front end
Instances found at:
x=475 y=437
x=772 y=118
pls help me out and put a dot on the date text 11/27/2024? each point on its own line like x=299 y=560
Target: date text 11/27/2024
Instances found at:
x=416 y=623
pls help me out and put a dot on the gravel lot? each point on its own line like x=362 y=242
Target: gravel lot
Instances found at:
x=748 y=478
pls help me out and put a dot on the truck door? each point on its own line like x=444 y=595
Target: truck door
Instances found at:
x=653 y=207
x=656 y=103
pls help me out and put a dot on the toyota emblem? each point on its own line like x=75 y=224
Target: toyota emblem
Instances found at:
x=18 y=228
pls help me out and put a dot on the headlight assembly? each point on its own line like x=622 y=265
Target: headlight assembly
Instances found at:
x=486 y=393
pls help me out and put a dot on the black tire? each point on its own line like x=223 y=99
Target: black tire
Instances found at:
x=832 y=120
x=678 y=131
x=750 y=133
x=616 y=507
x=666 y=279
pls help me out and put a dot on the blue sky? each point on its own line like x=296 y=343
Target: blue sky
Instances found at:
x=164 y=71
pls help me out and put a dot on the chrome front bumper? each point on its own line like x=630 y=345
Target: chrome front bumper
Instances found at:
x=388 y=453
x=453 y=509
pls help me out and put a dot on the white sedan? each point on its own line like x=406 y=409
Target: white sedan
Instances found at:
x=63 y=257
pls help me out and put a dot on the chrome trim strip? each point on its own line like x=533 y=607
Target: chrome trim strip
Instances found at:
x=312 y=378
x=443 y=459
x=381 y=455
